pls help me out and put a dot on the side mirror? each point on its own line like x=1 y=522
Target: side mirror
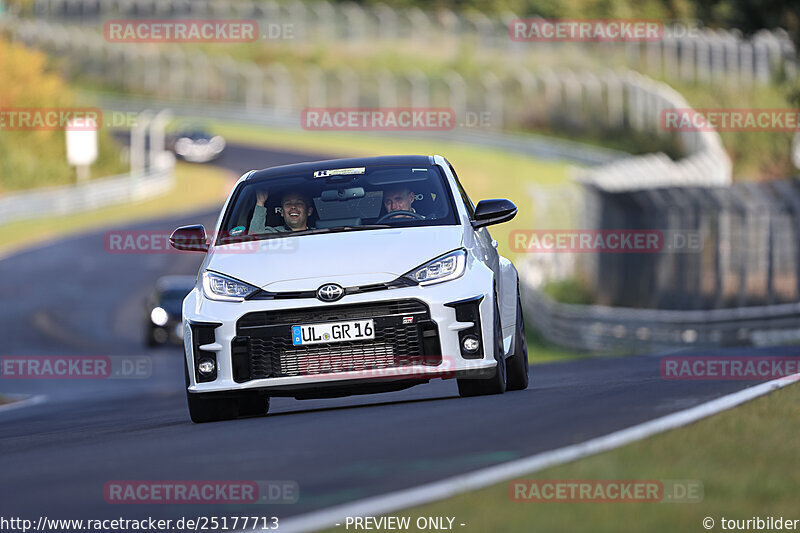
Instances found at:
x=189 y=239
x=490 y=212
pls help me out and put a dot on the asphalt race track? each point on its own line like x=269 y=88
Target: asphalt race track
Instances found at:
x=72 y=297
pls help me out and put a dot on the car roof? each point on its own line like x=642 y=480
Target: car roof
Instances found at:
x=331 y=164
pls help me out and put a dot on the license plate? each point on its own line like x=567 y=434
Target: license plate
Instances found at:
x=352 y=330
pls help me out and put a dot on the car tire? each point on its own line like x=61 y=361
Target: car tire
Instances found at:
x=253 y=403
x=203 y=408
x=206 y=407
x=517 y=363
x=496 y=383
x=150 y=341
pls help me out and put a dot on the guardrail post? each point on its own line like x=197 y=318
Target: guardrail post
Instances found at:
x=387 y=89
x=317 y=87
x=138 y=140
x=157 y=136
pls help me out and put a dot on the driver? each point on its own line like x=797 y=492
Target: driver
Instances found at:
x=295 y=208
x=398 y=198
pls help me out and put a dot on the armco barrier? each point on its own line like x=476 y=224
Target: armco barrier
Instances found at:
x=686 y=51
x=102 y=192
x=616 y=330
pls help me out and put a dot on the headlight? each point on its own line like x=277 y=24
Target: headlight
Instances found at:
x=444 y=268
x=217 y=143
x=219 y=287
x=183 y=145
x=158 y=316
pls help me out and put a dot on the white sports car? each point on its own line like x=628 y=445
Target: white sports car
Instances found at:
x=349 y=276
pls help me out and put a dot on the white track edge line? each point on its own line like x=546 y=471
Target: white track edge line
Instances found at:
x=438 y=490
x=27 y=402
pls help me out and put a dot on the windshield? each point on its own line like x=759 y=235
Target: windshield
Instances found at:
x=172 y=300
x=334 y=200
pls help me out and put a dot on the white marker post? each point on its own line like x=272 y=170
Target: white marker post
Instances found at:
x=796 y=150
x=81 y=136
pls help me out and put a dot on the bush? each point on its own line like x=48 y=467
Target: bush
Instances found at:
x=569 y=291
x=36 y=158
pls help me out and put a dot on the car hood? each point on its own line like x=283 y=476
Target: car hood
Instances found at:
x=348 y=258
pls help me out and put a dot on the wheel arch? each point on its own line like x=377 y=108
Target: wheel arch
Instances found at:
x=507 y=294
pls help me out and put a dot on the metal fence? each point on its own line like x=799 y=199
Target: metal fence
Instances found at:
x=538 y=146
x=686 y=52
x=603 y=100
x=616 y=330
x=745 y=252
x=94 y=194
x=728 y=273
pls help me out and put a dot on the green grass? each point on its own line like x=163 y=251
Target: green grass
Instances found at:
x=756 y=155
x=196 y=187
x=744 y=458
x=541 y=351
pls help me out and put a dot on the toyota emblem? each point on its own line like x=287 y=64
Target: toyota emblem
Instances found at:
x=330 y=292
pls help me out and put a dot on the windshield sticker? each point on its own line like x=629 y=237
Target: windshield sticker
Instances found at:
x=339 y=172
x=237 y=230
x=419 y=170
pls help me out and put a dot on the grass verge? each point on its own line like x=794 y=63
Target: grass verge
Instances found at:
x=741 y=456
x=196 y=187
x=541 y=351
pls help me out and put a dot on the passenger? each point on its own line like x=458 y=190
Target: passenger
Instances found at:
x=295 y=208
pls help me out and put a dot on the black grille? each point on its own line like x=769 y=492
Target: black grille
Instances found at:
x=263 y=346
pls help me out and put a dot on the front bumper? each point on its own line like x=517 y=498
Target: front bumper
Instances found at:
x=234 y=332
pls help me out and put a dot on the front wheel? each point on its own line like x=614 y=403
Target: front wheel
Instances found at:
x=207 y=408
x=517 y=363
x=253 y=403
x=496 y=384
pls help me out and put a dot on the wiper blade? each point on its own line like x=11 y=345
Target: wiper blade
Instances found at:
x=337 y=229
x=364 y=226
x=231 y=239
